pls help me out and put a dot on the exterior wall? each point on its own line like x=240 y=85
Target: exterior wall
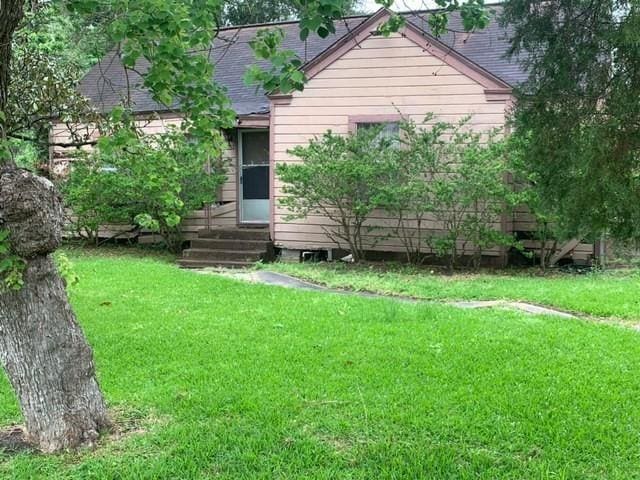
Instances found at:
x=525 y=223
x=223 y=214
x=379 y=78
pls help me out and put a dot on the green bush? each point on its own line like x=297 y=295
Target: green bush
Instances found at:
x=448 y=174
x=407 y=194
x=444 y=184
x=148 y=180
x=549 y=230
x=471 y=194
x=341 y=178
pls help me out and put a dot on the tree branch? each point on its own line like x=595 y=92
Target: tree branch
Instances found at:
x=79 y=143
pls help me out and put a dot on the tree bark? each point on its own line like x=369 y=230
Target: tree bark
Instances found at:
x=42 y=348
x=11 y=13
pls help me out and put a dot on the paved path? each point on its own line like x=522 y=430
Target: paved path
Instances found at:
x=281 y=280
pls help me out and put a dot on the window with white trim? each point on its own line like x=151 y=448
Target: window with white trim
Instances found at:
x=389 y=129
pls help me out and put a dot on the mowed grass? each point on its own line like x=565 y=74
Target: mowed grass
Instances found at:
x=604 y=294
x=236 y=381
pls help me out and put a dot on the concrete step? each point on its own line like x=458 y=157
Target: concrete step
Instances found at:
x=236 y=234
x=195 y=263
x=230 y=244
x=230 y=255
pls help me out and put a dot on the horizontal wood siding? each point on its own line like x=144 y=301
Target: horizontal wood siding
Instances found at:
x=222 y=214
x=229 y=189
x=524 y=222
x=381 y=76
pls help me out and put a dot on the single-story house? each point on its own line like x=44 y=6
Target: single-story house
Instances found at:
x=355 y=78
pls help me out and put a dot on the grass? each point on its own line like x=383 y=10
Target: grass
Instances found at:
x=135 y=251
x=236 y=381
x=606 y=294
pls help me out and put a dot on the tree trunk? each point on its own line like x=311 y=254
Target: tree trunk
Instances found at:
x=49 y=362
x=42 y=348
x=11 y=13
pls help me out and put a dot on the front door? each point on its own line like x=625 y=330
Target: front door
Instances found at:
x=253 y=155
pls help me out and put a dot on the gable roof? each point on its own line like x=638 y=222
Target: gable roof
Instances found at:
x=106 y=83
x=420 y=37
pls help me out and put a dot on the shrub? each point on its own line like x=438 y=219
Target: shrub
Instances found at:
x=455 y=178
x=408 y=194
x=549 y=230
x=341 y=178
x=480 y=194
x=93 y=196
x=443 y=184
x=149 y=180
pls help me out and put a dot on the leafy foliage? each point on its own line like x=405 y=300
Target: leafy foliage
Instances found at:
x=341 y=178
x=470 y=194
x=319 y=16
x=243 y=12
x=549 y=229
x=284 y=74
x=66 y=269
x=580 y=110
x=246 y=12
x=43 y=87
x=150 y=181
x=407 y=197
x=48 y=61
x=11 y=266
x=26 y=154
x=70 y=37
x=443 y=183
x=474 y=15
x=453 y=178
x=174 y=38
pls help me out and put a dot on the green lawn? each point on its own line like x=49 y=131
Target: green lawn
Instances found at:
x=235 y=381
x=608 y=294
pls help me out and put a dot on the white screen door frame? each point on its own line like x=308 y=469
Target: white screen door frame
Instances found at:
x=254 y=204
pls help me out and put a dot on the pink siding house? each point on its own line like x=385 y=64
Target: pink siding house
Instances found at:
x=355 y=77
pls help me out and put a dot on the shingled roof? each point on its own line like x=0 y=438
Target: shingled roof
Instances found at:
x=106 y=83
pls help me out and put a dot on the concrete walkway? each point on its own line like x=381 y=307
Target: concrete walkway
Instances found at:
x=281 y=280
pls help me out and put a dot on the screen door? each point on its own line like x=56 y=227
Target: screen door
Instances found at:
x=254 y=176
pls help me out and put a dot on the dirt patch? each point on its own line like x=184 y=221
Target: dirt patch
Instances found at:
x=127 y=423
x=14 y=440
